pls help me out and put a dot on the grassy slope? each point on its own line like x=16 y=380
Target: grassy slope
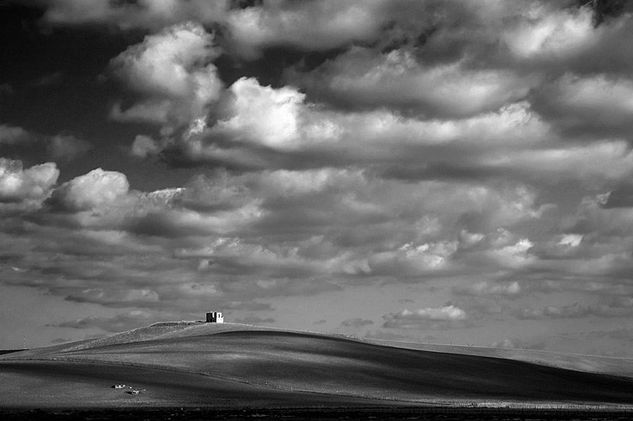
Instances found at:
x=590 y=363
x=8 y=351
x=239 y=363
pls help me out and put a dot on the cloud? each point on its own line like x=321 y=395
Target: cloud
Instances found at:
x=484 y=288
x=249 y=29
x=413 y=259
x=229 y=236
x=92 y=190
x=356 y=322
x=110 y=297
x=532 y=33
x=270 y=234
x=584 y=105
x=28 y=145
x=293 y=133
x=471 y=151
x=365 y=78
x=144 y=14
x=262 y=114
x=11 y=135
x=515 y=343
x=66 y=147
x=434 y=317
x=579 y=163
x=556 y=312
x=617 y=308
x=570 y=240
x=144 y=146
x=118 y=323
x=309 y=26
x=173 y=73
x=552 y=34
x=18 y=184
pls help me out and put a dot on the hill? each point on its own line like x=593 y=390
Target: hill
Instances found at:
x=190 y=363
x=616 y=366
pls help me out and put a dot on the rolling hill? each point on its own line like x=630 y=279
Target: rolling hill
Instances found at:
x=191 y=363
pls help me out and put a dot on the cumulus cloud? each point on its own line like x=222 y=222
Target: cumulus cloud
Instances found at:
x=249 y=29
x=552 y=34
x=479 y=151
x=28 y=145
x=485 y=288
x=173 y=73
x=363 y=78
x=587 y=105
x=118 y=323
x=570 y=240
x=307 y=198
x=145 y=14
x=262 y=114
x=533 y=32
x=356 y=322
x=264 y=234
x=11 y=135
x=67 y=147
x=617 y=308
x=111 y=297
x=413 y=259
x=434 y=317
x=515 y=343
x=18 y=184
x=91 y=190
x=295 y=133
x=310 y=26
x=144 y=146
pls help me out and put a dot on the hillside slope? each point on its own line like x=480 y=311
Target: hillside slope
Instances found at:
x=238 y=363
x=590 y=363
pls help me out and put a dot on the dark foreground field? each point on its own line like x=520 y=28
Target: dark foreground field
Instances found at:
x=233 y=371
x=334 y=414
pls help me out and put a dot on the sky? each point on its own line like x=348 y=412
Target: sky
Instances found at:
x=451 y=172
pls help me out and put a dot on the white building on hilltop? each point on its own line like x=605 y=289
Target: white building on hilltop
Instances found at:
x=215 y=317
